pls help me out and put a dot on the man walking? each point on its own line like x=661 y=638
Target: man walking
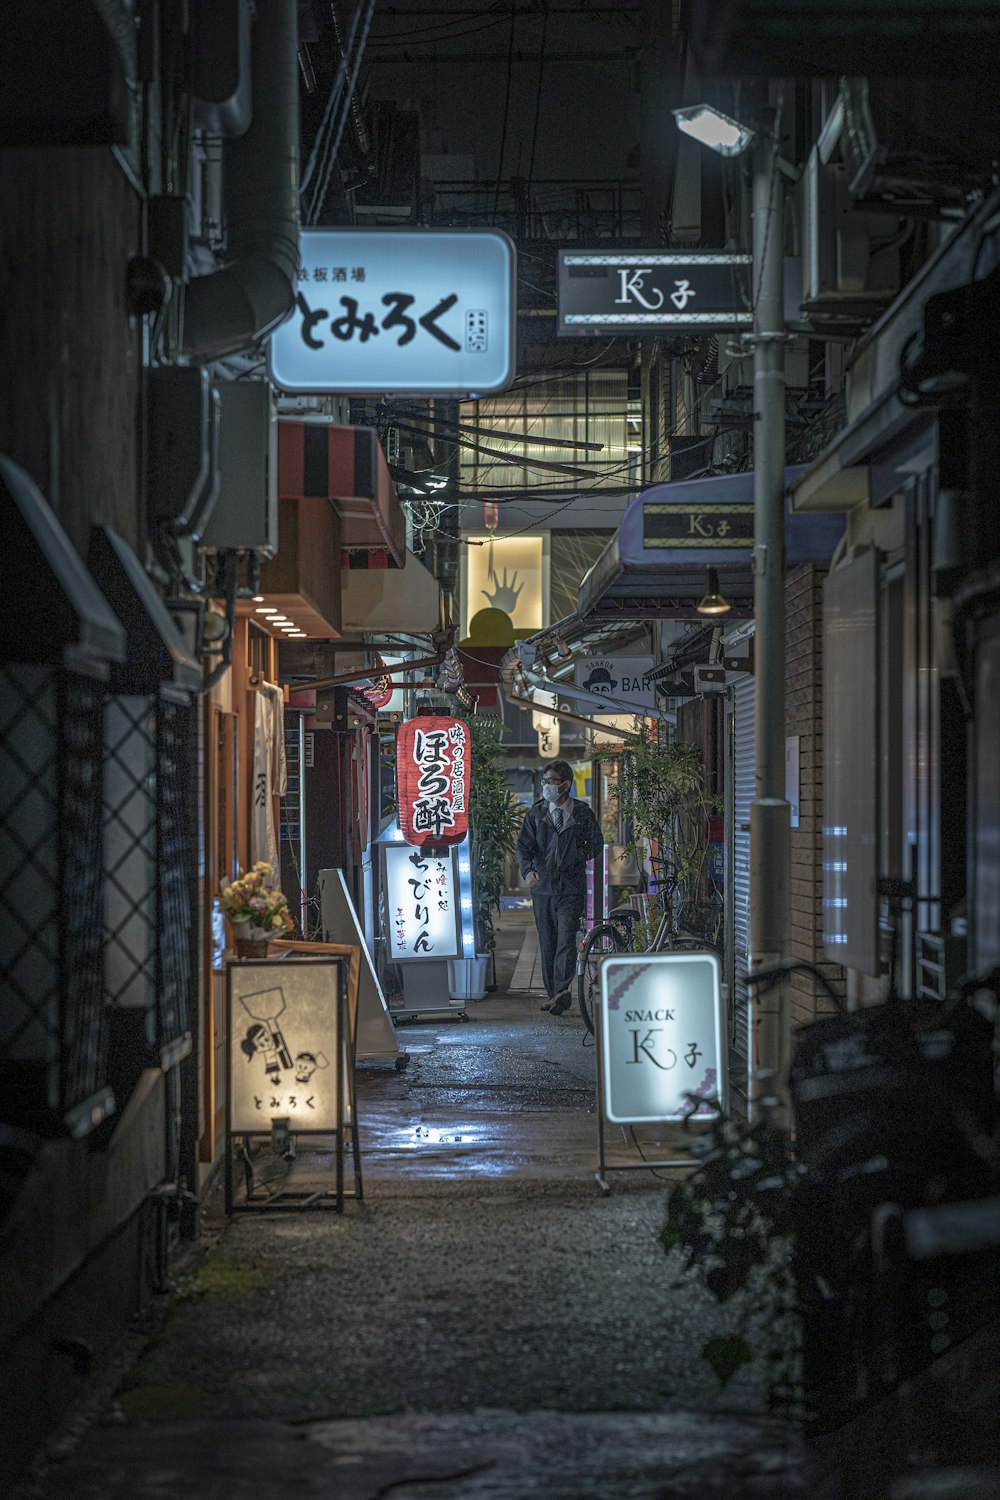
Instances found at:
x=559 y=835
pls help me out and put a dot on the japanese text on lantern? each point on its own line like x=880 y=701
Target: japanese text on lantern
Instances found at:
x=433 y=756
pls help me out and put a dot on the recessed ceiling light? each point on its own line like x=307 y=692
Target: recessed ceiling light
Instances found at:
x=258 y=598
x=279 y=619
x=297 y=632
x=266 y=611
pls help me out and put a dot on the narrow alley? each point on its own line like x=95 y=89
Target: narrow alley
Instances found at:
x=485 y=1324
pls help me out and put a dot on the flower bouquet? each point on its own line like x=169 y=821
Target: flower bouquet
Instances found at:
x=258 y=911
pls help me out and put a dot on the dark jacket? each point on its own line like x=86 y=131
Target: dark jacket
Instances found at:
x=559 y=858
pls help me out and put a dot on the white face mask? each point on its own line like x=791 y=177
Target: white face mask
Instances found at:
x=552 y=790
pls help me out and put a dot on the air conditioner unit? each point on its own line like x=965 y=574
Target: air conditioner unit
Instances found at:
x=850 y=259
x=183 y=450
x=245 y=516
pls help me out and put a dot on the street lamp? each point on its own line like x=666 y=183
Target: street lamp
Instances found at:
x=709 y=126
x=770 y=824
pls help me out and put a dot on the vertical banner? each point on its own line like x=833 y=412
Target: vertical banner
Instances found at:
x=433 y=775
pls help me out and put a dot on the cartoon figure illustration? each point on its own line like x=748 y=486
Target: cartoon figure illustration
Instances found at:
x=307 y=1063
x=265 y=1009
x=601 y=681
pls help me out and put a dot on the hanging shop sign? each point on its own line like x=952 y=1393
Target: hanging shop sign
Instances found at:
x=433 y=774
x=386 y=310
x=652 y=292
x=618 y=678
x=421 y=898
x=662 y=1037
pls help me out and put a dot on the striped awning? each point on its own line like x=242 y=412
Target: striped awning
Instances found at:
x=347 y=465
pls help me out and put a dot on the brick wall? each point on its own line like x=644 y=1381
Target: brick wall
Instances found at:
x=804 y=717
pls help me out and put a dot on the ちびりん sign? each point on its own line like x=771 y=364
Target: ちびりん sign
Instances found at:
x=433 y=771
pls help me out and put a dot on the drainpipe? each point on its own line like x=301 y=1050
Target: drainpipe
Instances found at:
x=228 y=311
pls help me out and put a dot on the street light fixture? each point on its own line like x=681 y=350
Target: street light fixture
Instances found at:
x=770 y=836
x=709 y=126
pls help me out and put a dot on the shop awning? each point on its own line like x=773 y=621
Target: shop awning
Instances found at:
x=156 y=655
x=54 y=611
x=654 y=567
x=390 y=600
x=347 y=466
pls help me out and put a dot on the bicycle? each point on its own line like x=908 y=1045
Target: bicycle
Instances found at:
x=615 y=935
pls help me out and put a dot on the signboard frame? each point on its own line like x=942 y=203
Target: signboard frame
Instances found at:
x=373 y=326
x=245 y=979
x=613 y=1018
x=644 y=278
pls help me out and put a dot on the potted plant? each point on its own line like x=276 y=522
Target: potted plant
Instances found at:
x=257 y=911
x=660 y=794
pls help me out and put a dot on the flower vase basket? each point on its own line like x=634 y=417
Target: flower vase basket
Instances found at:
x=257 y=912
x=251 y=942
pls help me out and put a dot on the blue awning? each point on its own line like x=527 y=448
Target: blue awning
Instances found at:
x=654 y=567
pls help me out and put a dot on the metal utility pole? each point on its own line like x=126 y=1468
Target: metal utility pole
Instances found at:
x=770 y=837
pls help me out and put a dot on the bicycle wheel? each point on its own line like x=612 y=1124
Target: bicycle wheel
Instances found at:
x=600 y=941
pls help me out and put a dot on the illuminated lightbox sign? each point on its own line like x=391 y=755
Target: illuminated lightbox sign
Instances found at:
x=662 y=1036
x=284 y=1046
x=386 y=310
x=652 y=292
x=421 y=902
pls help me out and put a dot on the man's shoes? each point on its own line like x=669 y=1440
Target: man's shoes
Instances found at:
x=560 y=1004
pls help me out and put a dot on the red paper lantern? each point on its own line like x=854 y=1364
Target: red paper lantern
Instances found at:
x=433 y=775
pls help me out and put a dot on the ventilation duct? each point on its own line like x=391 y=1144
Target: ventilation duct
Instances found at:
x=229 y=310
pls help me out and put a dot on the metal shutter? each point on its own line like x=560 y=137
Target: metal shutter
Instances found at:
x=743 y=789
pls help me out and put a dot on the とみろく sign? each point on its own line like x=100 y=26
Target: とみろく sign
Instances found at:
x=662 y=1036
x=284 y=1046
x=378 y=310
x=421 y=903
x=433 y=774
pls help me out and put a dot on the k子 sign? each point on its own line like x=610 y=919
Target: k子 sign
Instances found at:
x=652 y=291
x=383 y=310
x=662 y=1036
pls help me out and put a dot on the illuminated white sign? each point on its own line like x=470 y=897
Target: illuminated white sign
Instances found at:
x=422 y=903
x=511 y=575
x=662 y=1036
x=283 y=1045
x=380 y=310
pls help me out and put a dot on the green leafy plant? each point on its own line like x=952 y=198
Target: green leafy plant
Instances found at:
x=660 y=793
x=733 y=1220
x=494 y=822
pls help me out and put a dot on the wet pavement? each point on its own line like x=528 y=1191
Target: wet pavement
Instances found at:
x=485 y=1323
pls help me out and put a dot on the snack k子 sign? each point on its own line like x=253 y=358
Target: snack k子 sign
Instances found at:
x=433 y=776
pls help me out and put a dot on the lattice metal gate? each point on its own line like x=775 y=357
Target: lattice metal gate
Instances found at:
x=53 y=1027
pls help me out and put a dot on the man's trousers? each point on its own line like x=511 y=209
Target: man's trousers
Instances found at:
x=557 y=919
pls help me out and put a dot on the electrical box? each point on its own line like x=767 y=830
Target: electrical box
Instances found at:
x=184 y=448
x=245 y=516
x=848 y=255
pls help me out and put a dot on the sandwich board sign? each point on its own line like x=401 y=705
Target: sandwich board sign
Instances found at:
x=661 y=1041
